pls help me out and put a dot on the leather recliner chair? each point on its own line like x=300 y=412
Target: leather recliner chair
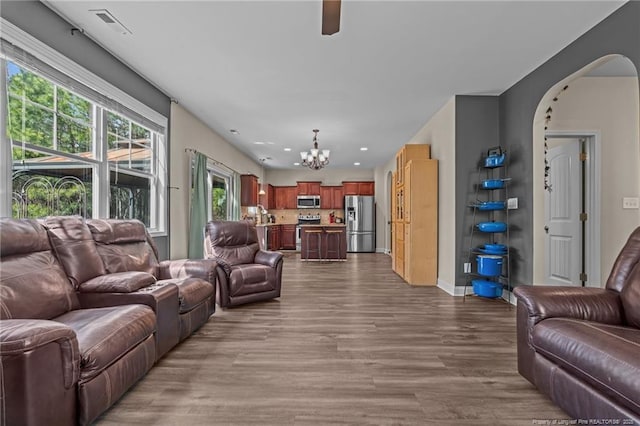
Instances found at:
x=246 y=274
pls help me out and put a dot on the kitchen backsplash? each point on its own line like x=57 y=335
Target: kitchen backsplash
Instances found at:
x=291 y=216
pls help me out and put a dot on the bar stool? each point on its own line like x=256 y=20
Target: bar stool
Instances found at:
x=336 y=235
x=318 y=234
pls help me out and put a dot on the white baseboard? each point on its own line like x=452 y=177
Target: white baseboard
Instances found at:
x=450 y=288
x=383 y=250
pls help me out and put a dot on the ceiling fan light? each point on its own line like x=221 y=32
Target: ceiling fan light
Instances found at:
x=321 y=158
x=325 y=152
x=314 y=152
x=310 y=158
x=303 y=155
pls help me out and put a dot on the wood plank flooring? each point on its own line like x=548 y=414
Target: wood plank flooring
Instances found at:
x=346 y=344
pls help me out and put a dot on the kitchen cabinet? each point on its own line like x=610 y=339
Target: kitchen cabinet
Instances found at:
x=268 y=200
x=407 y=153
x=331 y=197
x=308 y=188
x=274 y=237
x=326 y=243
x=288 y=237
x=286 y=197
x=358 y=188
x=248 y=190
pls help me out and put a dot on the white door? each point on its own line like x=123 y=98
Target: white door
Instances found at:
x=563 y=245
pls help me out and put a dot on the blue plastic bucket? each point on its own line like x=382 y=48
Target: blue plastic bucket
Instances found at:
x=489 y=265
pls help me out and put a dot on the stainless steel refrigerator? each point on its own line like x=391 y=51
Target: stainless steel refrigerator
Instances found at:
x=360 y=218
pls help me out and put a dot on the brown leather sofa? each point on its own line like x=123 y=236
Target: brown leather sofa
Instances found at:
x=85 y=311
x=61 y=364
x=581 y=346
x=246 y=274
x=114 y=262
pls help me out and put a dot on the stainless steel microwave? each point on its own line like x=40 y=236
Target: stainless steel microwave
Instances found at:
x=308 y=201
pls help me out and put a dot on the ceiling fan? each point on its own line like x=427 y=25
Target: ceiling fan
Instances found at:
x=330 y=16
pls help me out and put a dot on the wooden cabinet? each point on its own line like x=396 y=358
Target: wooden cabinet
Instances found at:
x=358 y=188
x=308 y=188
x=331 y=197
x=274 y=237
x=285 y=197
x=248 y=190
x=407 y=153
x=323 y=243
x=418 y=233
x=268 y=200
x=288 y=237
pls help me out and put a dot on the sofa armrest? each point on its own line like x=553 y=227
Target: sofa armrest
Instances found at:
x=583 y=303
x=26 y=335
x=188 y=268
x=268 y=258
x=118 y=282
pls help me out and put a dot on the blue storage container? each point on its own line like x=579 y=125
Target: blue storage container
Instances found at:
x=493 y=184
x=491 y=205
x=486 y=288
x=492 y=226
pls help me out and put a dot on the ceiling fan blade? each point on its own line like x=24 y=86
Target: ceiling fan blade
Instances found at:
x=330 y=16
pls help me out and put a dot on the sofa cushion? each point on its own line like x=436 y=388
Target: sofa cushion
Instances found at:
x=191 y=292
x=119 y=282
x=106 y=334
x=123 y=245
x=249 y=279
x=74 y=246
x=33 y=284
x=630 y=297
x=604 y=356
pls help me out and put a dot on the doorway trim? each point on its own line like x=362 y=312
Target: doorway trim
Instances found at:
x=593 y=149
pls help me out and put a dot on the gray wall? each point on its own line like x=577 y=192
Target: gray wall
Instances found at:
x=617 y=34
x=476 y=132
x=38 y=20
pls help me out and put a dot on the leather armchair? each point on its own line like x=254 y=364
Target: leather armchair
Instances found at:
x=580 y=345
x=245 y=273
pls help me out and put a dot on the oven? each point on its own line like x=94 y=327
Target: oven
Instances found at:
x=305 y=219
x=298 y=238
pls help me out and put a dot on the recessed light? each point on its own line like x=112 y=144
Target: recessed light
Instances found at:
x=364 y=148
x=234 y=131
x=296 y=164
x=269 y=143
x=356 y=164
x=287 y=149
x=258 y=143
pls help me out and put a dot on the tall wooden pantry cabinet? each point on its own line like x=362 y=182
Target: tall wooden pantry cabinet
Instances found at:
x=415 y=216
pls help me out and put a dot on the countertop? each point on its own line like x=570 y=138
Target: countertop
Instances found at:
x=304 y=226
x=325 y=225
x=276 y=224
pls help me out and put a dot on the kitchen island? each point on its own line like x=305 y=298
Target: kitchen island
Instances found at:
x=323 y=242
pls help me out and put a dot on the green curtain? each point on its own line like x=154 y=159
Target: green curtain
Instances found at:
x=236 y=212
x=198 y=213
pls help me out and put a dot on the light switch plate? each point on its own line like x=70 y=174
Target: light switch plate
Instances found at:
x=512 y=203
x=630 y=203
x=467 y=268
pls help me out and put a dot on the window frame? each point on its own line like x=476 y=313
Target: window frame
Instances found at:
x=74 y=78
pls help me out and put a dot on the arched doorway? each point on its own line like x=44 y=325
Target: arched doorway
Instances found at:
x=595 y=114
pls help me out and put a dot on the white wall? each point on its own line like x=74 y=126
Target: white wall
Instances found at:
x=186 y=131
x=608 y=105
x=439 y=132
x=329 y=176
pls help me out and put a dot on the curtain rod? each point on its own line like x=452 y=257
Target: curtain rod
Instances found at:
x=216 y=162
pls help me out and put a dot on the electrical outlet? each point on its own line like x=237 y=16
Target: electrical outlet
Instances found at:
x=630 y=203
x=512 y=203
x=467 y=268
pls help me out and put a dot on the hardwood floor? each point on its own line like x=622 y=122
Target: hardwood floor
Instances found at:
x=347 y=343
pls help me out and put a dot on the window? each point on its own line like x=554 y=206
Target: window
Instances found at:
x=72 y=150
x=219 y=197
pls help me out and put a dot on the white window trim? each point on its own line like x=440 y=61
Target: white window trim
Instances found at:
x=53 y=58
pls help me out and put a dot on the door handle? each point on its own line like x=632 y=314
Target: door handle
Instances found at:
x=546 y=229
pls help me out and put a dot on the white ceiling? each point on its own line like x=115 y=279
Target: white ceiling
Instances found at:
x=263 y=68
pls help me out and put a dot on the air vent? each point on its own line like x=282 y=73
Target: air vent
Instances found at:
x=112 y=22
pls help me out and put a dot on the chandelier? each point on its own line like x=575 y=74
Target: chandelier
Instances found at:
x=315 y=159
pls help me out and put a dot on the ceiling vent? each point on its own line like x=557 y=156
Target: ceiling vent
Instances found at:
x=112 y=22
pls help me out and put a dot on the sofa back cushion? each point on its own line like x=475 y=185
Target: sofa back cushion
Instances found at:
x=124 y=245
x=33 y=284
x=630 y=297
x=625 y=263
x=73 y=244
x=234 y=242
